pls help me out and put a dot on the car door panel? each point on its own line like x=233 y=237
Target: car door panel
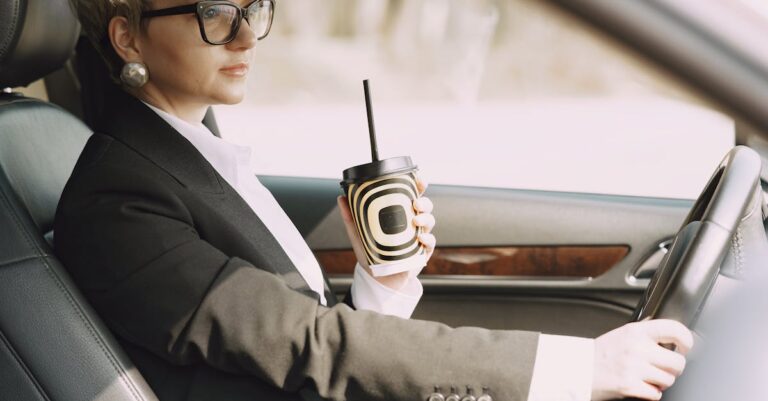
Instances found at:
x=556 y=262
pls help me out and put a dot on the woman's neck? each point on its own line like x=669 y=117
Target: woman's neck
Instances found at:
x=187 y=111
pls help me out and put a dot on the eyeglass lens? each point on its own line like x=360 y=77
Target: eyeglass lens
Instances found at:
x=221 y=20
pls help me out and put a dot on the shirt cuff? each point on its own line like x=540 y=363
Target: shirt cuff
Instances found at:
x=563 y=369
x=369 y=294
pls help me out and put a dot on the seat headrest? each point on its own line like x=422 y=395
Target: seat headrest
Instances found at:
x=36 y=38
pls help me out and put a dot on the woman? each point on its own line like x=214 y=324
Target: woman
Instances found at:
x=211 y=289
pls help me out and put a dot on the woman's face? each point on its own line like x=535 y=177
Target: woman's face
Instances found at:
x=184 y=69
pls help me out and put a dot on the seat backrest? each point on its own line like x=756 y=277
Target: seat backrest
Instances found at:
x=39 y=144
x=52 y=344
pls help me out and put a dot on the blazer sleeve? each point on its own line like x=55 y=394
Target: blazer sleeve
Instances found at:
x=132 y=246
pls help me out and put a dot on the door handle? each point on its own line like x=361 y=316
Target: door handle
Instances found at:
x=648 y=267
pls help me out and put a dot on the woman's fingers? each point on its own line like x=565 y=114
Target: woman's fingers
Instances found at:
x=428 y=240
x=424 y=218
x=421 y=185
x=423 y=205
x=669 y=361
x=643 y=391
x=659 y=378
x=425 y=221
x=666 y=331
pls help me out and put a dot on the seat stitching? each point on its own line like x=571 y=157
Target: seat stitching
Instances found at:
x=119 y=370
x=740 y=244
x=19 y=260
x=99 y=340
x=24 y=367
x=736 y=244
x=14 y=24
x=19 y=225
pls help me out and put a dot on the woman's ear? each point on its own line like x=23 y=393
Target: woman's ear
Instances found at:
x=124 y=41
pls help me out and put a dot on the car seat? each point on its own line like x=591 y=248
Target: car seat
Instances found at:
x=52 y=344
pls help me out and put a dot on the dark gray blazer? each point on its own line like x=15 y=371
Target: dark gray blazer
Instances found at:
x=209 y=306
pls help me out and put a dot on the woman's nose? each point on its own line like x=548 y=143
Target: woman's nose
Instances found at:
x=246 y=38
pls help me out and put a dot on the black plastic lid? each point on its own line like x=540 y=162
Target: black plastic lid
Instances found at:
x=380 y=168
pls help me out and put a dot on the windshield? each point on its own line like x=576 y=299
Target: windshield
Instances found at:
x=741 y=25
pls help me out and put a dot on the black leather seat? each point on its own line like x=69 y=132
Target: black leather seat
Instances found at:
x=52 y=345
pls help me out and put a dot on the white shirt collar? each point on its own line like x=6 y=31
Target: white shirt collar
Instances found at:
x=225 y=157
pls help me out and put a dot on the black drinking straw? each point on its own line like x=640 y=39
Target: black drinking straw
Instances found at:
x=371 y=128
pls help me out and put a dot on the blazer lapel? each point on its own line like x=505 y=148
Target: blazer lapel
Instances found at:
x=131 y=122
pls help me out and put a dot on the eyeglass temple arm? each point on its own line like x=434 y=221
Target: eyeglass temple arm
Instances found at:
x=190 y=8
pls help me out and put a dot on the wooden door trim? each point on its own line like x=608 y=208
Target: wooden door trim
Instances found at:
x=572 y=261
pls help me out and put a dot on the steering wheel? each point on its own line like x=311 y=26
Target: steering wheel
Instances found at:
x=711 y=231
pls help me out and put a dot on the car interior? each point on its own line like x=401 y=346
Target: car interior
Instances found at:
x=556 y=262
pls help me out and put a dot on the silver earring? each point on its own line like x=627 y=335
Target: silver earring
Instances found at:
x=134 y=75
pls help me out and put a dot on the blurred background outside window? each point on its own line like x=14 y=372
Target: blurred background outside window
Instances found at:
x=499 y=93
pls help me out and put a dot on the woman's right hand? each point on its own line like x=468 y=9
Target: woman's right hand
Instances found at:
x=629 y=362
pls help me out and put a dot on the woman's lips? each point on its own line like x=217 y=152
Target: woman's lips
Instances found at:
x=237 y=70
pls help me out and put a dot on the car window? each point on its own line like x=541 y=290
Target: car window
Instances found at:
x=512 y=94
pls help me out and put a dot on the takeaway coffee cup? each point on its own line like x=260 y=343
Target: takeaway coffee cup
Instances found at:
x=380 y=196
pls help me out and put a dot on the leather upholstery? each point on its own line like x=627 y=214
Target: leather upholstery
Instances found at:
x=39 y=144
x=36 y=38
x=52 y=345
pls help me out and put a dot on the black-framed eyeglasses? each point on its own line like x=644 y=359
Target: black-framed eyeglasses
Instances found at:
x=220 y=20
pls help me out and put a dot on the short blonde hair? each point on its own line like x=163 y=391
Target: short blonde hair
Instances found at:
x=94 y=16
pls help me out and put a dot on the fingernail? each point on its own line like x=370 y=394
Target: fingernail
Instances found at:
x=423 y=235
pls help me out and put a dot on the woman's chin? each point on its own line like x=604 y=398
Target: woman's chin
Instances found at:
x=230 y=97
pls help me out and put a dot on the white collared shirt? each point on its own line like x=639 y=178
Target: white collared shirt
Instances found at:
x=233 y=163
x=564 y=365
